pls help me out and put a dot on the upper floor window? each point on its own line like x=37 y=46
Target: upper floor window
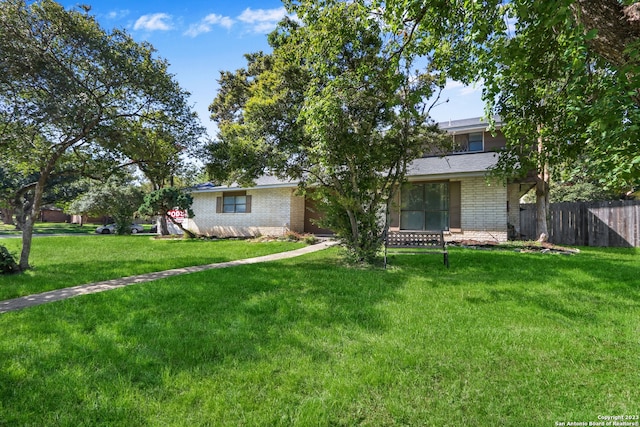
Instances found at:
x=475 y=142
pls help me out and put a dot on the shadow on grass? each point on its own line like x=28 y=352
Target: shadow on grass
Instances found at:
x=65 y=262
x=93 y=359
x=573 y=287
x=262 y=331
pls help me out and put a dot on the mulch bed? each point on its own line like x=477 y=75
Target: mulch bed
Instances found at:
x=525 y=247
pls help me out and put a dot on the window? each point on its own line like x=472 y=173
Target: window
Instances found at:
x=475 y=142
x=425 y=206
x=235 y=202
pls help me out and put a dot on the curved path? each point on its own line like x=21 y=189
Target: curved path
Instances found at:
x=92 y=288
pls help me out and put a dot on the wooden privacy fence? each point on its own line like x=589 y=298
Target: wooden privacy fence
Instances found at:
x=613 y=224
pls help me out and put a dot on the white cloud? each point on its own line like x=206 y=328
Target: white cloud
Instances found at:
x=262 y=20
x=223 y=21
x=452 y=84
x=117 y=14
x=155 y=22
x=511 y=25
x=462 y=89
x=206 y=25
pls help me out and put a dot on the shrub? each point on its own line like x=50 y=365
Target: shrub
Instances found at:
x=292 y=236
x=8 y=264
x=310 y=239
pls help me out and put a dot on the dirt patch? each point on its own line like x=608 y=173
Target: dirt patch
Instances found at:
x=525 y=247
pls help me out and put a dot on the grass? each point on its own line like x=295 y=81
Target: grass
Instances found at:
x=500 y=338
x=63 y=261
x=50 y=228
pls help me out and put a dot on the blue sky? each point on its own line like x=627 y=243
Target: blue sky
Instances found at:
x=199 y=38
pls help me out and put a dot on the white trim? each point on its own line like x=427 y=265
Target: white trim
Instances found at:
x=238 y=188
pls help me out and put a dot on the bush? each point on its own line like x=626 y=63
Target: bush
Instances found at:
x=292 y=236
x=8 y=264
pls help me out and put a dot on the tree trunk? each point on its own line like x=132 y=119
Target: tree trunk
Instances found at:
x=355 y=235
x=30 y=215
x=618 y=27
x=164 y=227
x=542 y=208
x=7 y=216
x=542 y=191
x=189 y=233
x=29 y=220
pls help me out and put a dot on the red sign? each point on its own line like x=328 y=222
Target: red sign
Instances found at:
x=177 y=215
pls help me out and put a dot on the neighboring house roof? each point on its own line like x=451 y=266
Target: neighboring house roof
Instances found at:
x=475 y=164
x=469 y=125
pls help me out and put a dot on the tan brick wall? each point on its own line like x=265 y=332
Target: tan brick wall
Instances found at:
x=275 y=211
x=484 y=211
x=270 y=214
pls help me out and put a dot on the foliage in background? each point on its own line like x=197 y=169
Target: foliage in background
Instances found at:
x=334 y=107
x=113 y=198
x=577 y=191
x=17 y=182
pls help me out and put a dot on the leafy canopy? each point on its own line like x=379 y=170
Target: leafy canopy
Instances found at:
x=335 y=107
x=70 y=89
x=563 y=74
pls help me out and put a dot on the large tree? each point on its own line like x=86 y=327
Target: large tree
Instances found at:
x=116 y=198
x=66 y=85
x=158 y=145
x=164 y=200
x=563 y=75
x=18 y=180
x=334 y=107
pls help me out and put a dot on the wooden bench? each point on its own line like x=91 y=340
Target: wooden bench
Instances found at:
x=417 y=241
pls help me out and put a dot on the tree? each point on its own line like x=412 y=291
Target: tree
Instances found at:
x=18 y=180
x=333 y=107
x=114 y=198
x=562 y=75
x=156 y=145
x=163 y=200
x=9 y=180
x=67 y=86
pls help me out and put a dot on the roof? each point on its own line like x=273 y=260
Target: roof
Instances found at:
x=265 y=181
x=467 y=125
x=475 y=164
x=464 y=164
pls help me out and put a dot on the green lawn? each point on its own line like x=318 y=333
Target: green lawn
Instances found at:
x=51 y=228
x=499 y=339
x=65 y=261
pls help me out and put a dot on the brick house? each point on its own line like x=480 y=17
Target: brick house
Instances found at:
x=449 y=193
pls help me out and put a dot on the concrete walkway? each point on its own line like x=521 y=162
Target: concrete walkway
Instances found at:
x=107 y=285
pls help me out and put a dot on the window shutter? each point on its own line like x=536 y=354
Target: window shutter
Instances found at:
x=455 y=205
x=394 y=211
x=218 y=204
x=248 y=199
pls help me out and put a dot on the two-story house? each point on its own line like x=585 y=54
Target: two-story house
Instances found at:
x=448 y=193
